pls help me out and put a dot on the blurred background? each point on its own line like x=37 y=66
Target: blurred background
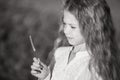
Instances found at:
x=38 y=18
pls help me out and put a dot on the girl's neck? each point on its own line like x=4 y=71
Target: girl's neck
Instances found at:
x=81 y=47
x=75 y=49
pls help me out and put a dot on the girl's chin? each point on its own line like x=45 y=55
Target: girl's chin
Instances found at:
x=72 y=43
x=75 y=44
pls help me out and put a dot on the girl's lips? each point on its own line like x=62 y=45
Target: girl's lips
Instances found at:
x=69 y=37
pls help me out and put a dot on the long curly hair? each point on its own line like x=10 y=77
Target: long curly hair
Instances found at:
x=99 y=33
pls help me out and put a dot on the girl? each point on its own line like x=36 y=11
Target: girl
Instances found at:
x=86 y=47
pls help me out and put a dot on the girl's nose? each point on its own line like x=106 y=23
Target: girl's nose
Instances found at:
x=67 y=29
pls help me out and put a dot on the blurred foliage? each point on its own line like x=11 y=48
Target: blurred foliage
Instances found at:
x=17 y=22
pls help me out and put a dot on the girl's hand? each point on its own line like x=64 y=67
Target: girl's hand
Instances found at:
x=39 y=70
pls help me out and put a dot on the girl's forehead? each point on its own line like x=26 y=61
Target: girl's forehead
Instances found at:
x=69 y=17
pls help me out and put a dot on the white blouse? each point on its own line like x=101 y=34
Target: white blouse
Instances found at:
x=76 y=69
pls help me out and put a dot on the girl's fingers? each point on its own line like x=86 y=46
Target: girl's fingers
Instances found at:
x=33 y=72
x=36 y=64
x=43 y=64
x=35 y=68
x=36 y=75
x=35 y=59
x=38 y=70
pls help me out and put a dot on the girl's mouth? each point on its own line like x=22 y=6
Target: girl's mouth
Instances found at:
x=69 y=38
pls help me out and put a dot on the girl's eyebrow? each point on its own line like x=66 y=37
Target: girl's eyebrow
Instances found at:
x=69 y=24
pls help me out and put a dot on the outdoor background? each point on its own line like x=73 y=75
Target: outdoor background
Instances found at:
x=38 y=18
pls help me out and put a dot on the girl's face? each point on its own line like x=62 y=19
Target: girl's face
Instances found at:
x=71 y=29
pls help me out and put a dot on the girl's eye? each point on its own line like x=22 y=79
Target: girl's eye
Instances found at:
x=73 y=27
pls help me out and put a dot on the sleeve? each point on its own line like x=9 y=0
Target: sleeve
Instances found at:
x=58 y=52
x=53 y=60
